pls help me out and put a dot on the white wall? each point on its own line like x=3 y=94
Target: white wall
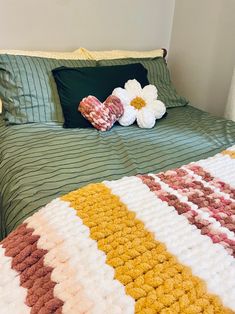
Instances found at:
x=202 y=51
x=94 y=24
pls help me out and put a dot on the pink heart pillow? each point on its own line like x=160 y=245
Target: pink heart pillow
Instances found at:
x=101 y=115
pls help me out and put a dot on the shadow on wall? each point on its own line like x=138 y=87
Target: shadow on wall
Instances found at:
x=230 y=107
x=202 y=51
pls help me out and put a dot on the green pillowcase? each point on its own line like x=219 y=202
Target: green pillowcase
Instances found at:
x=28 y=90
x=76 y=83
x=158 y=75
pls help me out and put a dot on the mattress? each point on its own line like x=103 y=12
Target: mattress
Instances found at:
x=39 y=162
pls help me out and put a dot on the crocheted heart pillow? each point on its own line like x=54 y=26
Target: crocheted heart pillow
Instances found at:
x=101 y=115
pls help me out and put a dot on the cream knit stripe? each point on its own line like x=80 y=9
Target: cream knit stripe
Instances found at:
x=221 y=167
x=12 y=295
x=107 y=294
x=232 y=148
x=208 y=261
x=63 y=274
x=202 y=214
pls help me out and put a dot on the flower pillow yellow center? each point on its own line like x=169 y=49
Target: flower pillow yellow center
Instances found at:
x=138 y=103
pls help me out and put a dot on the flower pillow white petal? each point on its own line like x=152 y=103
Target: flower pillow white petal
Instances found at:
x=149 y=92
x=139 y=103
x=133 y=88
x=158 y=108
x=128 y=117
x=122 y=94
x=145 y=118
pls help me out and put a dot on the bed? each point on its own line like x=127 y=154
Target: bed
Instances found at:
x=40 y=162
x=131 y=220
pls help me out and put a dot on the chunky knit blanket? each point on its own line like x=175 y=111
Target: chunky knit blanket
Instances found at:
x=161 y=243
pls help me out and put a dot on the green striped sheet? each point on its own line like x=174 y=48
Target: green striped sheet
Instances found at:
x=28 y=90
x=159 y=75
x=39 y=162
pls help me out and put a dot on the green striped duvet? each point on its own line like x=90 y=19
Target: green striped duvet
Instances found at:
x=39 y=162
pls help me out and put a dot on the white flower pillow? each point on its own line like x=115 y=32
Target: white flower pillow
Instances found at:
x=140 y=104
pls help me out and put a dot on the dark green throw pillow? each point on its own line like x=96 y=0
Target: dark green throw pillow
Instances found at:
x=158 y=75
x=74 y=84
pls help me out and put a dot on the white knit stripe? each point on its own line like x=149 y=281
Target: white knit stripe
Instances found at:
x=208 y=261
x=12 y=295
x=63 y=274
x=107 y=294
x=231 y=148
x=202 y=214
x=221 y=167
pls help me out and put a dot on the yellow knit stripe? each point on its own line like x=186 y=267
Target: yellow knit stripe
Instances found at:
x=229 y=153
x=151 y=275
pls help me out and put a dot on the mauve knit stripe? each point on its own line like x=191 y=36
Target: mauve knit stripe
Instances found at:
x=219 y=208
x=208 y=177
x=68 y=288
x=192 y=216
x=28 y=261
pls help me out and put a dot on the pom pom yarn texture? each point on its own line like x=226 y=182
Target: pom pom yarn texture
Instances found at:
x=101 y=115
x=155 y=243
x=140 y=104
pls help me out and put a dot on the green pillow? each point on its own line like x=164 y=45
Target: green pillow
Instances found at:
x=76 y=83
x=158 y=75
x=28 y=90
